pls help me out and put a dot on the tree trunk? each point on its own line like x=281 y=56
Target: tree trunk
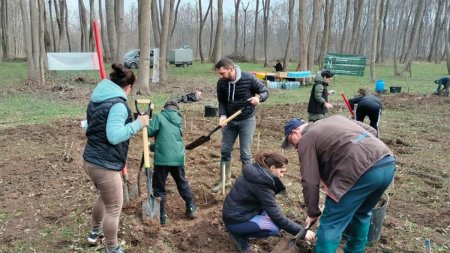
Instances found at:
x=290 y=31
x=303 y=38
x=105 y=41
x=111 y=24
x=397 y=22
x=142 y=86
x=173 y=18
x=164 y=42
x=236 y=26
x=34 y=13
x=211 y=34
x=255 y=32
x=61 y=17
x=52 y=25
x=414 y=36
x=219 y=33
x=119 y=9
x=313 y=33
x=376 y=24
x=5 y=29
x=344 y=39
x=91 y=26
x=155 y=24
x=406 y=44
x=434 y=40
x=447 y=42
x=328 y=15
x=266 y=12
x=83 y=27
x=42 y=55
x=66 y=24
x=244 y=33
x=358 y=11
x=383 y=35
x=200 y=30
x=28 y=41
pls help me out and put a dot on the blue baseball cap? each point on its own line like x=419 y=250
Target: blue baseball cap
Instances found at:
x=292 y=124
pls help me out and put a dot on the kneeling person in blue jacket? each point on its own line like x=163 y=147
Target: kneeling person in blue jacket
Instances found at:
x=166 y=127
x=250 y=209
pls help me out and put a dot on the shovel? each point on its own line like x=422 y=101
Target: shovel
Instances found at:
x=203 y=139
x=130 y=191
x=286 y=245
x=150 y=207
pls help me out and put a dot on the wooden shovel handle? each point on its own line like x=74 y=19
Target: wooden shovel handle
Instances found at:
x=146 y=151
x=231 y=117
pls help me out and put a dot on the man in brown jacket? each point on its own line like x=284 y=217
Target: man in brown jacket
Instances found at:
x=354 y=166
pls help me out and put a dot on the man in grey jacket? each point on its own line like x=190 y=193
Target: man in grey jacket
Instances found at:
x=354 y=167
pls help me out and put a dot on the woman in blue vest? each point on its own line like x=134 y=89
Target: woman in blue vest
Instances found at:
x=110 y=126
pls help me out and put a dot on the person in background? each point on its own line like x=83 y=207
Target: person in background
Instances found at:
x=355 y=168
x=367 y=105
x=443 y=83
x=318 y=101
x=167 y=127
x=110 y=126
x=250 y=209
x=278 y=67
x=237 y=90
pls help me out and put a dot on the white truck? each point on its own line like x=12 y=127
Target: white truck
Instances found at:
x=180 y=57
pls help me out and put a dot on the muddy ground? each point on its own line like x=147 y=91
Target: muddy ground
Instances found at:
x=46 y=197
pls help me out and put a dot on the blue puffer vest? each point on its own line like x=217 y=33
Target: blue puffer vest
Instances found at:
x=98 y=150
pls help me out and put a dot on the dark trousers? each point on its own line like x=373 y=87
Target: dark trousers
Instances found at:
x=159 y=184
x=373 y=112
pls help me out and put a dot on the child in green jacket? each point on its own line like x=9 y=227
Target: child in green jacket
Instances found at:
x=166 y=127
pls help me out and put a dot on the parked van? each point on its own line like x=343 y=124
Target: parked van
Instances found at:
x=131 y=59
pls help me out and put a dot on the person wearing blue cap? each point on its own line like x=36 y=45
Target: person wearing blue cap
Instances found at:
x=354 y=167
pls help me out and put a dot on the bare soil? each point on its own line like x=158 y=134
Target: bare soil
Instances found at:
x=46 y=197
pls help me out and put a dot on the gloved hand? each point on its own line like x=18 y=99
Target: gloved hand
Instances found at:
x=152 y=147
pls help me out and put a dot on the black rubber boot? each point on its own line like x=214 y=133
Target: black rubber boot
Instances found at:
x=191 y=211
x=162 y=213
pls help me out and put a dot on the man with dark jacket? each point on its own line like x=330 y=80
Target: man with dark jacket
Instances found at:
x=318 y=101
x=237 y=90
x=166 y=127
x=355 y=168
x=367 y=105
x=443 y=82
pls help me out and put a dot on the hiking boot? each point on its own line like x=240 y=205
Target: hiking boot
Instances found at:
x=241 y=243
x=117 y=249
x=94 y=236
x=163 y=219
x=191 y=211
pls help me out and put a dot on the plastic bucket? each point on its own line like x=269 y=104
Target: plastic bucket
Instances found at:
x=210 y=111
x=376 y=222
x=379 y=85
x=395 y=89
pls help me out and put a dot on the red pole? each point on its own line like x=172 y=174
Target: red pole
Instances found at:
x=348 y=104
x=98 y=45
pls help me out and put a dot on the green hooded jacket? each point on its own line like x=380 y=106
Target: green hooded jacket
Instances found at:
x=166 y=127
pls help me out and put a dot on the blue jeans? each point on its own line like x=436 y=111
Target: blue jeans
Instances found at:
x=354 y=207
x=245 y=129
x=260 y=226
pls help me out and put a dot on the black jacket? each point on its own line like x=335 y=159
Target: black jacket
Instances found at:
x=253 y=192
x=369 y=101
x=318 y=97
x=99 y=151
x=233 y=95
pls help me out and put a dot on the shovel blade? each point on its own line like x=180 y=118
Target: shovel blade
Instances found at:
x=286 y=245
x=201 y=140
x=150 y=208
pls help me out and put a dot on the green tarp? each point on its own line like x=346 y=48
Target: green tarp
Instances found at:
x=345 y=64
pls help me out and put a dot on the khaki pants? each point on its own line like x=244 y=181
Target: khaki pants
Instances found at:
x=108 y=205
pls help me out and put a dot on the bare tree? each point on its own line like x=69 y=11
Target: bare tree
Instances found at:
x=42 y=52
x=358 y=11
x=61 y=18
x=303 y=38
x=382 y=35
x=414 y=35
x=202 y=20
x=105 y=40
x=211 y=33
x=328 y=15
x=111 y=24
x=236 y=26
x=244 y=33
x=290 y=31
x=376 y=24
x=67 y=26
x=173 y=17
x=4 y=29
x=52 y=26
x=83 y=26
x=435 y=35
x=397 y=22
x=156 y=24
x=219 y=33
x=164 y=41
x=255 y=32
x=91 y=27
x=142 y=86
x=447 y=42
x=266 y=12
x=345 y=35
x=119 y=11
x=317 y=6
